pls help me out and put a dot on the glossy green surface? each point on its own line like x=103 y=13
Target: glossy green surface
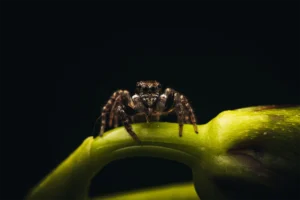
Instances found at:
x=177 y=191
x=259 y=146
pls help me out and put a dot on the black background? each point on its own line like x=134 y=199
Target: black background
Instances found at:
x=61 y=61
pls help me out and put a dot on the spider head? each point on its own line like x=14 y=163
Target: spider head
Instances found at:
x=149 y=92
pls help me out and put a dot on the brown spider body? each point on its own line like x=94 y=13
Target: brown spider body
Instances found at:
x=148 y=100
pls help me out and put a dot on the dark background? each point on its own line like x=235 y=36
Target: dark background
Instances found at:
x=61 y=61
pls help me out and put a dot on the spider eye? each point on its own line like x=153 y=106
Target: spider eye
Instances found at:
x=159 y=86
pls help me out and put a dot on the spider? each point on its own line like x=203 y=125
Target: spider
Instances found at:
x=148 y=100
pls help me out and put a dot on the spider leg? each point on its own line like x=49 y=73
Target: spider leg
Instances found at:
x=180 y=117
x=140 y=109
x=113 y=112
x=170 y=94
x=116 y=99
x=183 y=109
x=105 y=111
x=126 y=121
x=116 y=121
x=147 y=118
x=108 y=108
x=157 y=117
x=191 y=114
x=187 y=119
x=123 y=95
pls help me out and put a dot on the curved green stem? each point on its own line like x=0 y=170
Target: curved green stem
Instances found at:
x=225 y=147
x=75 y=173
x=184 y=191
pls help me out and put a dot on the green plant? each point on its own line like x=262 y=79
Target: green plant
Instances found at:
x=256 y=149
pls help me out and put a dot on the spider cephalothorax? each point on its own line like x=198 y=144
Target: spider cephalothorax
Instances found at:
x=148 y=100
x=148 y=91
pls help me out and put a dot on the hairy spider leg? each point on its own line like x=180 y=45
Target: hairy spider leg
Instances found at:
x=180 y=117
x=116 y=121
x=103 y=118
x=191 y=114
x=106 y=109
x=157 y=116
x=126 y=121
x=123 y=95
x=181 y=104
x=187 y=119
x=178 y=107
x=139 y=107
x=113 y=111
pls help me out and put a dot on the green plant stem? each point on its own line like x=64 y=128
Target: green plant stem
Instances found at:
x=184 y=191
x=207 y=153
x=76 y=172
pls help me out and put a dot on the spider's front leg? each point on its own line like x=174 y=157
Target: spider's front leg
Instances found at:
x=190 y=112
x=120 y=105
x=124 y=97
x=117 y=97
x=181 y=106
x=126 y=121
x=180 y=117
x=106 y=109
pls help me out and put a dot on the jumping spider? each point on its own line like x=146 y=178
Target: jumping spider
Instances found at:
x=148 y=100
